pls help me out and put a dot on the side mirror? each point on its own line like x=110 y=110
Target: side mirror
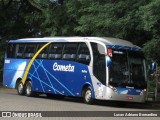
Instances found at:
x=108 y=61
x=153 y=66
x=152 y=70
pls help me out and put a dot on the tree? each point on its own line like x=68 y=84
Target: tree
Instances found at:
x=12 y=22
x=150 y=22
x=135 y=20
x=111 y=18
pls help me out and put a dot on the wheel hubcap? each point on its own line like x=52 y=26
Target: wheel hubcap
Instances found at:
x=28 y=89
x=20 y=88
x=88 y=95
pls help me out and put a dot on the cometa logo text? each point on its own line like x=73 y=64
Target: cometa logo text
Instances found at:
x=66 y=68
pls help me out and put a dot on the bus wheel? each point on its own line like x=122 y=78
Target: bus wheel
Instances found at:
x=29 y=91
x=20 y=88
x=87 y=96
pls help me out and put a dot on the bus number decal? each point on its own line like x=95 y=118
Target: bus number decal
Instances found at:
x=7 y=61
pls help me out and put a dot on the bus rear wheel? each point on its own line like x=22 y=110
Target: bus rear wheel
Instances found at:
x=87 y=96
x=29 y=91
x=20 y=88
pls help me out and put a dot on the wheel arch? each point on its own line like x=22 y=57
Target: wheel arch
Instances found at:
x=85 y=86
x=20 y=79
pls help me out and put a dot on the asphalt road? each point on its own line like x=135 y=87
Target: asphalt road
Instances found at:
x=10 y=101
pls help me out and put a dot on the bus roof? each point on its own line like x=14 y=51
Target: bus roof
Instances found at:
x=105 y=40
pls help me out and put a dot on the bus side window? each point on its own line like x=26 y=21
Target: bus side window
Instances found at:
x=83 y=54
x=70 y=51
x=11 y=50
x=44 y=53
x=55 y=51
x=20 y=50
x=30 y=50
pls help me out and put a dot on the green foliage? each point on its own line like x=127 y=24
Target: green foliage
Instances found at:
x=150 y=15
x=152 y=49
x=152 y=85
x=12 y=22
x=135 y=20
x=2 y=49
x=150 y=22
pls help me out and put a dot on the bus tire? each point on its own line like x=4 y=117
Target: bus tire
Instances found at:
x=87 y=96
x=20 y=88
x=29 y=91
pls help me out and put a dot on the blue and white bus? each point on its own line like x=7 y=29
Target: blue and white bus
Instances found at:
x=88 y=67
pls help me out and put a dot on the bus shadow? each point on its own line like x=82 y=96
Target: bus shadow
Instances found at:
x=116 y=104
x=65 y=99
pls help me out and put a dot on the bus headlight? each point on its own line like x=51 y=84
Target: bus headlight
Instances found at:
x=143 y=91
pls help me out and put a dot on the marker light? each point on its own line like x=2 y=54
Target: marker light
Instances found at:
x=110 y=52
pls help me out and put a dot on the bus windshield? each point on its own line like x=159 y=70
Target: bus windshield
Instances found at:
x=127 y=70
